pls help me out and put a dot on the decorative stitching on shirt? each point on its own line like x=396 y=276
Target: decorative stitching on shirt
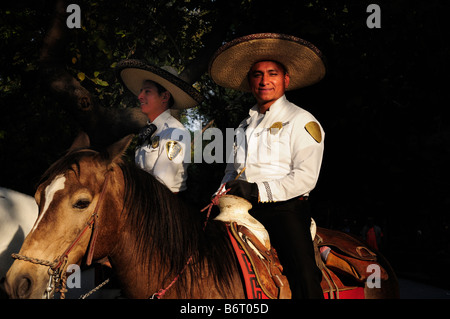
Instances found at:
x=268 y=191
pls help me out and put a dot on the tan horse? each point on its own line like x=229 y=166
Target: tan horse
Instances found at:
x=144 y=230
x=93 y=205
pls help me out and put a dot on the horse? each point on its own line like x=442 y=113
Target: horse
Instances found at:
x=96 y=205
x=18 y=212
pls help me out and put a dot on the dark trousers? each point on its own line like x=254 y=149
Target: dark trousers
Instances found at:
x=288 y=224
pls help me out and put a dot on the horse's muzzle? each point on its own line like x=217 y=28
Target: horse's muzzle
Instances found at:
x=19 y=288
x=26 y=281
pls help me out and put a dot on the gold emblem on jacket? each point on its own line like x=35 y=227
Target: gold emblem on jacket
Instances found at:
x=276 y=127
x=173 y=148
x=155 y=141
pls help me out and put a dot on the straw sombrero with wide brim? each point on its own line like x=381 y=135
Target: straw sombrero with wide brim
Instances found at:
x=231 y=63
x=134 y=72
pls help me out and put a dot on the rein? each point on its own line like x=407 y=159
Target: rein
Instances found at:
x=57 y=275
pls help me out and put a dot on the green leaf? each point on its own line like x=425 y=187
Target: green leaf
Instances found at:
x=81 y=76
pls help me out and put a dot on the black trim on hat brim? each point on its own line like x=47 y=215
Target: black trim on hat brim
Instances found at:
x=133 y=72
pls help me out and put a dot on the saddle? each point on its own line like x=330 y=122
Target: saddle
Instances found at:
x=343 y=259
x=265 y=264
x=259 y=261
x=344 y=262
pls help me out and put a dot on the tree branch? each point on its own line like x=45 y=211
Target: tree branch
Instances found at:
x=199 y=65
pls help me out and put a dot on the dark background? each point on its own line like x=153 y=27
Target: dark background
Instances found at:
x=382 y=104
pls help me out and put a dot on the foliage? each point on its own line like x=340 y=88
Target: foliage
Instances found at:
x=34 y=128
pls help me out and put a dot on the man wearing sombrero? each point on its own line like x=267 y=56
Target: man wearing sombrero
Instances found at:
x=278 y=157
x=161 y=147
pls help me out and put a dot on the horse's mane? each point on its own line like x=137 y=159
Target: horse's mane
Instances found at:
x=165 y=225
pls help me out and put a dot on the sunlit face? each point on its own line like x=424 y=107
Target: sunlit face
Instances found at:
x=268 y=82
x=152 y=102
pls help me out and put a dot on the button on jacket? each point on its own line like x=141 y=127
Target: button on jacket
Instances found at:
x=163 y=156
x=281 y=151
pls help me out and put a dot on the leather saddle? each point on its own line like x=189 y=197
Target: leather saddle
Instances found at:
x=254 y=240
x=344 y=268
x=265 y=263
x=344 y=261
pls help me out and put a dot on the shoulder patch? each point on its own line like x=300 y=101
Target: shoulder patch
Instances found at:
x=173 y=148
x=313 y=129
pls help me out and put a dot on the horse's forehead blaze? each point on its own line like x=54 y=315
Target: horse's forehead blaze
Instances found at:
x=57 y=184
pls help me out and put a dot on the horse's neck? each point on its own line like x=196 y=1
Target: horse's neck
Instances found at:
x=138 y=278
x=135 y=278
x=138 y=281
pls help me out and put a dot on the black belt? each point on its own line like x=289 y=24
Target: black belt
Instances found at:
x=302 y=197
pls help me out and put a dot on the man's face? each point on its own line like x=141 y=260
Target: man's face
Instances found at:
x=268 y=82
x=150 y=100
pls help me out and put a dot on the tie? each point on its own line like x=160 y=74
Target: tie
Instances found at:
x=146 y=133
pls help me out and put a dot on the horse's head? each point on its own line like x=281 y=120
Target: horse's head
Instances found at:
x=74 y=193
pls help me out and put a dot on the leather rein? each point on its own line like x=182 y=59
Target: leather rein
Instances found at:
x=56 y=268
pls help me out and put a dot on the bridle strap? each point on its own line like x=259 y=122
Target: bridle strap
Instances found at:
x=57 y=266
x=94 y=219
x=89 y=224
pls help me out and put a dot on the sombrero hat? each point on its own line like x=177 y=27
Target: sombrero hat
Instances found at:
x=231 y=62
x=134 y=72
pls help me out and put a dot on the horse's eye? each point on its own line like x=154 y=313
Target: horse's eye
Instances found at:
x=81 y=204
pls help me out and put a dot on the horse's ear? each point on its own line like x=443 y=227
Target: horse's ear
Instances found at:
x=116 y=150
x=81 y=141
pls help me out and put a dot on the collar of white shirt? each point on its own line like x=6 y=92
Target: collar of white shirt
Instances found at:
x=256 y=119
x=274 y=107
x=161 y=119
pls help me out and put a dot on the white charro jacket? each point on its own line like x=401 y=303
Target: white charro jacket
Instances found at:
x=164 y=156
x=281 y=151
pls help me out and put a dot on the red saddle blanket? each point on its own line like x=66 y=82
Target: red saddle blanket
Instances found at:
x=252 y=288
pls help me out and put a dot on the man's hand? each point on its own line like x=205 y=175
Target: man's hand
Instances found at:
x=243 y=189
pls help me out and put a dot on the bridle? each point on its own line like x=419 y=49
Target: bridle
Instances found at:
x=57 y=280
